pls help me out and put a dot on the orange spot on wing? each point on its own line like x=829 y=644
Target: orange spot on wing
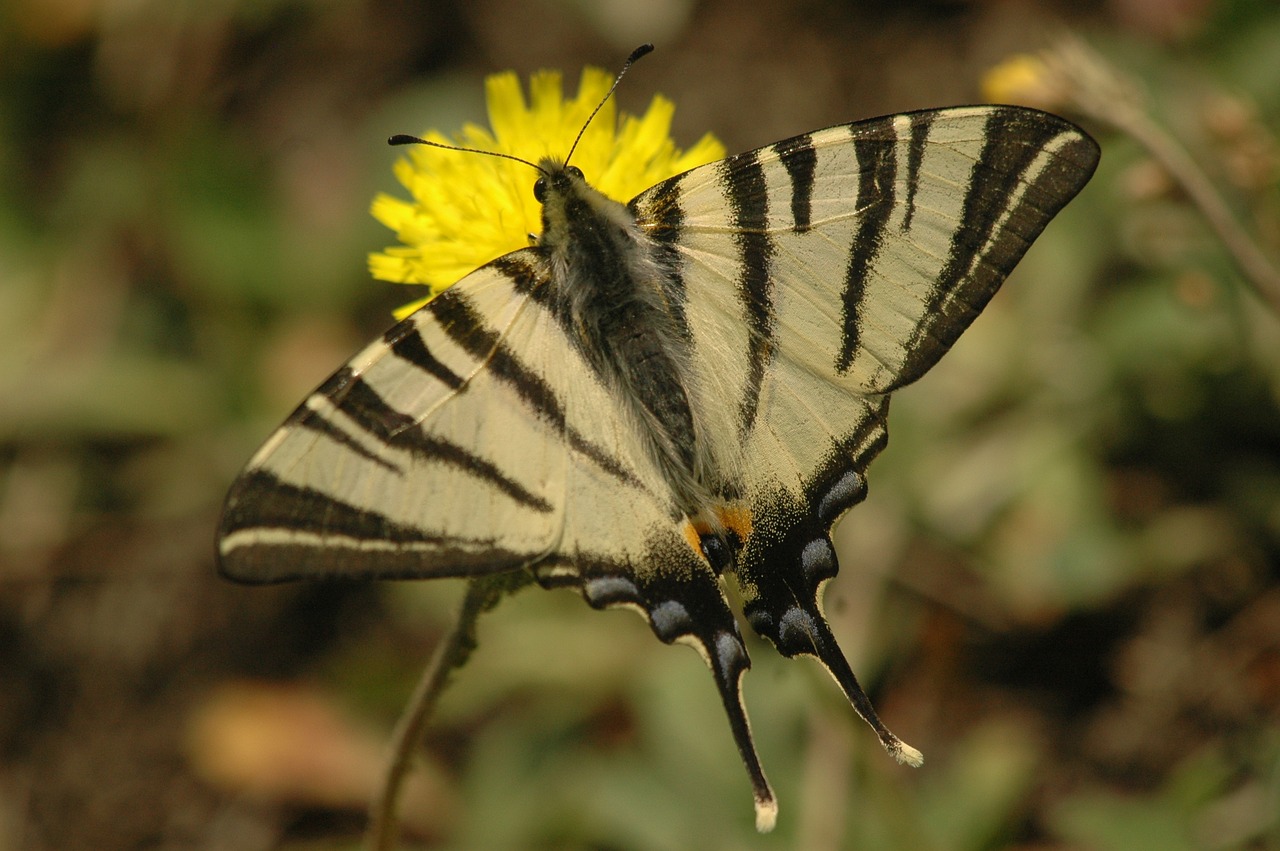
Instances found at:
x=691 y=537
x=736 y=518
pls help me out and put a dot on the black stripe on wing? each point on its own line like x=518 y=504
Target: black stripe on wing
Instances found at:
x=260 y=500
x=467 y=327
x=407 y=344
x=269 y=524
x=876 y=155
x=747 y=192
x=921 y=122
x=525 y=277
x=312 y=420
x=800 y=159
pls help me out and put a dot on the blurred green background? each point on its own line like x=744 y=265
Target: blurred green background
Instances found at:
x=1064 y=587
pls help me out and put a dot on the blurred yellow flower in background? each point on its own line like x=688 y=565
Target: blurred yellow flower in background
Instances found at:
x=1024 y=79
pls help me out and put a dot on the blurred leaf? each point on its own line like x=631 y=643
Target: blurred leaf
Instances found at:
x=1115 y=823
x=293 y=746
x=122 y=396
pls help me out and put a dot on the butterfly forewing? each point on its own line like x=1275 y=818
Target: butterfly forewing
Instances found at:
x=433 y=452
x=861 y=251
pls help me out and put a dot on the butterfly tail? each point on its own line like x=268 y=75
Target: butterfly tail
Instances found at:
x=781 y=572
x=728 y=663
x=824 y=646
x=681 y=598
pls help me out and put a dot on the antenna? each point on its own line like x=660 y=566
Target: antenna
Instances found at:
x=406 y=139
x=642 y=50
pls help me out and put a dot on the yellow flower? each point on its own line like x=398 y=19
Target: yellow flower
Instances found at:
x=468 y=209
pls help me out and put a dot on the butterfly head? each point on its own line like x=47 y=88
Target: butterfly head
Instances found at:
x=578 y=219
x=555 y=176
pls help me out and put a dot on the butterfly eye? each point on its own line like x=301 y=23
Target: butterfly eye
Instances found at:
x=574 y=171
x=540 y=189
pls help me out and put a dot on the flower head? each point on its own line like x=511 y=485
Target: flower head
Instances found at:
x=467 y=209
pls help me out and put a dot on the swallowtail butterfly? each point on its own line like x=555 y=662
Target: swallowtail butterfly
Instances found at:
x=658 y=393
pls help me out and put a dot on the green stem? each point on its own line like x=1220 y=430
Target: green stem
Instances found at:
x=453 y=651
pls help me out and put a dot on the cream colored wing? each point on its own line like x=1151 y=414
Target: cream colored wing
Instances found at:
x=439 y=450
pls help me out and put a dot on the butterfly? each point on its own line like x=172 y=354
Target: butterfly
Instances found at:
x=659 y=393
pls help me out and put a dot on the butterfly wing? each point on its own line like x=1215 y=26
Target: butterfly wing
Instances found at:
x=378 y=473
x=474 y=438
x=820 y=273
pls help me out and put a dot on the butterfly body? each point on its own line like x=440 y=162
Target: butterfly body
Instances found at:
x=657 y=393
x=611 y=291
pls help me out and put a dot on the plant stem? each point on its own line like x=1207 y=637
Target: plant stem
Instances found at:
x=450 y=654
x=1249 y=258
x=1099 y=90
